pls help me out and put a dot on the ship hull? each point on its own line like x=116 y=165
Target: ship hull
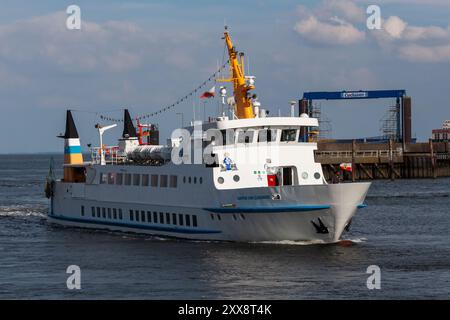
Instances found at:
x=296 y=213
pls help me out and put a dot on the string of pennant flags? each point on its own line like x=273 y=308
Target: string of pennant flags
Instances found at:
x=185 y=97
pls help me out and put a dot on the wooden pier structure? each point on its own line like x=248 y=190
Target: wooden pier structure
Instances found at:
x=390 y=160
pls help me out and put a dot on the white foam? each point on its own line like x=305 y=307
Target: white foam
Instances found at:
x=292 y=243
x=22 y=211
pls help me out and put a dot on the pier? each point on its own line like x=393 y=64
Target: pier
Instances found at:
x=390 y=160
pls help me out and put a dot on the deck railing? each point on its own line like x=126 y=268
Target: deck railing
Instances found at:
x=111 y=153
x=359 y=154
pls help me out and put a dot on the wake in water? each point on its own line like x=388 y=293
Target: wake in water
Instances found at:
x=23 y=211
x=315 y=242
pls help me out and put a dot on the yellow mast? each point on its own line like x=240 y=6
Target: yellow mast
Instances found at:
x=244 y=106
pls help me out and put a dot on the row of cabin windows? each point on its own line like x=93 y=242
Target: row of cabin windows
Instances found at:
x=106 y=213
x=263 y=135
x=235 y=217
x=192 y=180
x=136 y=179
x=144 y=216
x=163 y=218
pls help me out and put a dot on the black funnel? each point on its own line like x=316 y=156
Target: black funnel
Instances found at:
x=71 y=130
x=129 y=131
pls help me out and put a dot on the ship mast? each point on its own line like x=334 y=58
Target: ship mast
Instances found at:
x=241 y=83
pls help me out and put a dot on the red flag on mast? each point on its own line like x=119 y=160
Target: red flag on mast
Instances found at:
x=209 y=94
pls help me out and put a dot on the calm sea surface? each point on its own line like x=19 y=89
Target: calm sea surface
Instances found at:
x=405 y=231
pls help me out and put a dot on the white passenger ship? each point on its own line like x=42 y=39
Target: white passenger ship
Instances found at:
x=261 y=182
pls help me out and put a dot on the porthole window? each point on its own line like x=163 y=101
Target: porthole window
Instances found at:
x=190 y=179
x=317 y=175
x=242 y=216
x=236 y=178
x=305 y=175
x=220 y=180
x=195 y=180
x=200 y=180
x=184 y=179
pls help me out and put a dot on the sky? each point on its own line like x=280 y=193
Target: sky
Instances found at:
x=145 y=55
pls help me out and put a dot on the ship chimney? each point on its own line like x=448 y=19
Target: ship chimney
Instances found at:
x=129 y=140
x=129 y=131
x=72 y=148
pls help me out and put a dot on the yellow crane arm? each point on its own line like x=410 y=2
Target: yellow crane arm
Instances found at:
x=244 y=106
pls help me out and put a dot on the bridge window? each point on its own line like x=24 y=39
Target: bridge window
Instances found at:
x=155 y=217
x=227 y=136
x=288 y=135
x=167 y=218
x=267 y=135
x=194 y=221
x=114 y=213
x=245 y=136
x=120 y=214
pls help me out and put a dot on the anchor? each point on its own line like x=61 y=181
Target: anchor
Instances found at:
x=320 y=228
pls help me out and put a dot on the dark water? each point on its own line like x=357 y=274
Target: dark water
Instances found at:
x=405 y=230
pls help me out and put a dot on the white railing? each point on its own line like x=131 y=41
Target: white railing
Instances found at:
x=359 y=154
x=111 y=155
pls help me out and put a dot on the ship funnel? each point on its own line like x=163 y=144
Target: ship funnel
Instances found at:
x=129 y=140
x=72 y=148
x=129 y=131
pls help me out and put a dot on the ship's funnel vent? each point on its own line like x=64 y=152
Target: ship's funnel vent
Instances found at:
x=129 y=131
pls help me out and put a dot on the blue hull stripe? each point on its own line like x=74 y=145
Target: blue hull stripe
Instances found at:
x=72 y=149
x=300 y=208
x=138 y=226
x=306 y=207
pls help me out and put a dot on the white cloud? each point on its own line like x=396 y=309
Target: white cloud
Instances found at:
x=420 y=53
x=342 y=22
x=333 y=32
x=428 y=44
x=394 y=26
x=347 y=9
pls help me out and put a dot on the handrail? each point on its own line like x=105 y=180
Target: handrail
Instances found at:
x=360 y=153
